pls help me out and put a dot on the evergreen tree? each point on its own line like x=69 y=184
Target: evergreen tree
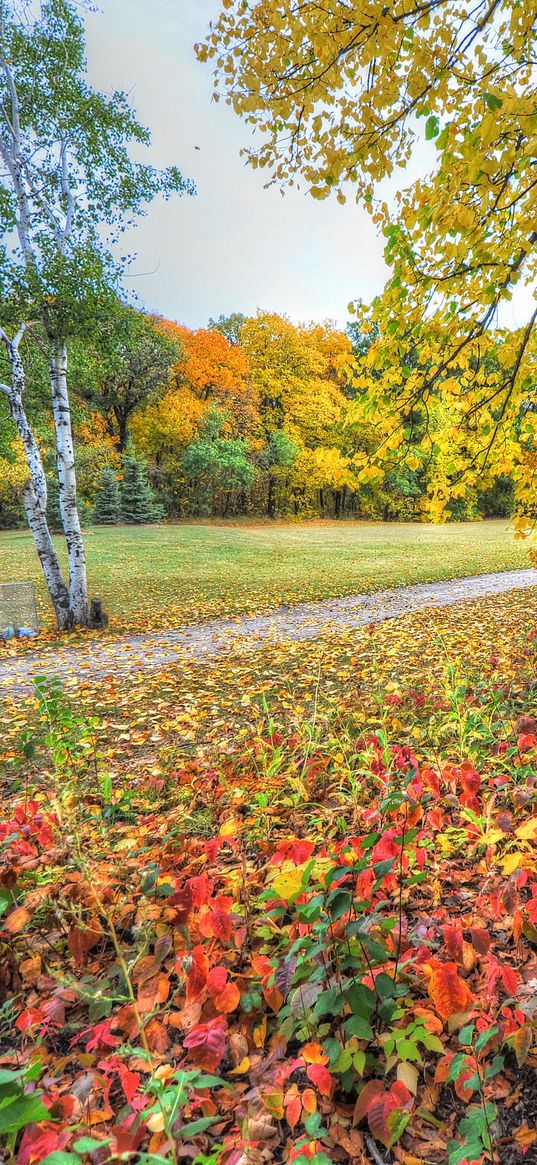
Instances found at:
x=107 y=506
x=138 y=504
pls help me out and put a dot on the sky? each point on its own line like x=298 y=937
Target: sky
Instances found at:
x=235 y=246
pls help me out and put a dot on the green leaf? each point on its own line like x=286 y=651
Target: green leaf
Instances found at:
x=359 y=1027
x=194 y=1127
x=88 y=1144
x=22 y=1111
x=339 y=903
x=397 y=1122
x=432 y=127
x=361 y=1000
x=485 y=1038
x=60 y=1157
x=466 y=1035
x=385 y=986
x=6 y=899
x=493 y=102
x=468 y=1151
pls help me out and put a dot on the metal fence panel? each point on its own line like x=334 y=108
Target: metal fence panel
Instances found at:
x=18 y=607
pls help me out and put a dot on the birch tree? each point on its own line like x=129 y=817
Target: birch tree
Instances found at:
x=68 y=187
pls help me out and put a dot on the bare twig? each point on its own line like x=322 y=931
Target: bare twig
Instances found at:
x=372 y=1148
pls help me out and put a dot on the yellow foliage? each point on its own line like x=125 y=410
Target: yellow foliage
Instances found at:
x=354 y=86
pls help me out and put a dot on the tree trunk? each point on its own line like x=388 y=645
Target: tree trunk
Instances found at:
x=65 y=460
x=122 y=420
x=271 y=498
x=35 y=491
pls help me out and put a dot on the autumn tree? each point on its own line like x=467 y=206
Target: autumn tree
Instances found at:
x=133 y=365
x=215 y=371
x=230 y=326
x=342 y=94
x=67 y=181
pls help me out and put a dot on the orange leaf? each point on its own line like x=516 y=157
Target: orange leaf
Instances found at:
x=82 y=938
x=228 y=999
x=292 y=1111
x=17 y=920
x=522 y=1041
x=156 y=1036
x=313 y=1053
x=309 y=1100
x=449 y=993
x=152 y=992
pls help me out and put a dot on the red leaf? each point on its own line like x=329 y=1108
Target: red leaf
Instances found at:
x=481 y=939
x=201 y=889
x=320 y=1076
x=454 y=941
x=370 y=1090
x=216 y=980
x=470 y=779
x=509 y=979
x=206 y=1043
x=196 y=964
x=383 y=1110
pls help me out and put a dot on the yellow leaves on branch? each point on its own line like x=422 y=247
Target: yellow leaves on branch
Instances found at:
x=341 y=94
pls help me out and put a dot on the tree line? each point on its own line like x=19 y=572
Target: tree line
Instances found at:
x=246 y=417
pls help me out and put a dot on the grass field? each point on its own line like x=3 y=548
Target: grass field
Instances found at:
x=163 y=575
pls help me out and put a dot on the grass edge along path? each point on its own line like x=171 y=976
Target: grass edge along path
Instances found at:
x=114 y=656
x=156 y=577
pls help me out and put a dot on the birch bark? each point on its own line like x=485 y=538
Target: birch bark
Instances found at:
x=65 y=461
x=35 y=490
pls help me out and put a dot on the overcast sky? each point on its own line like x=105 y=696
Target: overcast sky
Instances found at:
x=235 y=246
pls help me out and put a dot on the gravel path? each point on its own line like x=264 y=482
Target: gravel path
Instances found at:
x=116 y=656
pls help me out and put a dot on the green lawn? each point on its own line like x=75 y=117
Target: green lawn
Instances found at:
x=163 y=575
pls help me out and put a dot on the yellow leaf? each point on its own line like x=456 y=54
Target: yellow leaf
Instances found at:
x=527 y=831
x=229 y=828
x=241 y=1068
x=289 y=883
x=511 y=862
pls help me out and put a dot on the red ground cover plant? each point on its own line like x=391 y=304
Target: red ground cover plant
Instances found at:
x=346 y=971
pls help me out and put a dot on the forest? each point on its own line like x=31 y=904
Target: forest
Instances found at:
x=247 y=417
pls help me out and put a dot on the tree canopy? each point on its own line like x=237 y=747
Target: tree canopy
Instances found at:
x=342 y=95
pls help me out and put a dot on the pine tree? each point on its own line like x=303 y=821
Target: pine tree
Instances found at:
x=107 y=505
x=138 y=504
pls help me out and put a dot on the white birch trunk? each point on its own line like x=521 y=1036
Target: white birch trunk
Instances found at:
x=65 y=460
x=35 y=490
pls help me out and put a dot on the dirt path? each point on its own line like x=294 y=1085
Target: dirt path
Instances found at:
x=113 y=656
